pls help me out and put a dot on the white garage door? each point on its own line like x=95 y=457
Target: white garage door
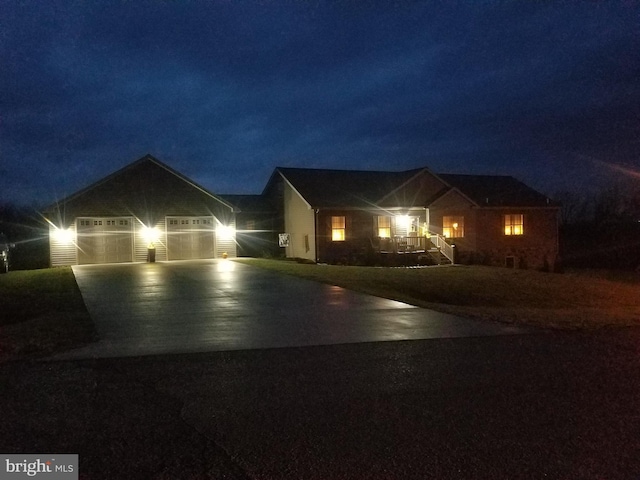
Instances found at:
x=190 y=238
x=105 y=240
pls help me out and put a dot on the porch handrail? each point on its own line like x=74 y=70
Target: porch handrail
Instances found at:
x=402 y=244
x=440 y=242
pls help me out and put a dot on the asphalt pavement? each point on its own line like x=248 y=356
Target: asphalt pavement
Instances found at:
x=449 y=399
x=540 y=406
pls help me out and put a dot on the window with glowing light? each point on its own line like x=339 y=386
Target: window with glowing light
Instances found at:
x=338 y=227
x=453 y=226
x=514 y=224
x=384 y=226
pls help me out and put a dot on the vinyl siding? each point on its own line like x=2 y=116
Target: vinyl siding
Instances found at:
x=299 y=223
x=226 y=245
x=62 y=253
x=141 y=245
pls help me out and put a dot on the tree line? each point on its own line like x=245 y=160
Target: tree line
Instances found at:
x=601 y=229
x=598 y=229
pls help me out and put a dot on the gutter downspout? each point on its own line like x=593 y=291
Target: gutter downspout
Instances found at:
x=315 y=232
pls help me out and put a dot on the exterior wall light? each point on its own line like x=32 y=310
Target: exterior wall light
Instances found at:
x=226 y=232
x=64 y=236
x=150 y=234
x=403 y=222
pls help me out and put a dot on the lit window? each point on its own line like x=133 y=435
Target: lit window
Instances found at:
x=384 y=227
x=250 y=225
x=453 y=227
x=513 y=224
x=338 y=229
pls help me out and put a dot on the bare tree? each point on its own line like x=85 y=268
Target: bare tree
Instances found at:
x=574 y=207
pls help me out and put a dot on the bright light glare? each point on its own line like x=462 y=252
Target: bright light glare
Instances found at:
x=63 y=236
x=150 y=234
x=226 y=232
x=225 y=265
x=404 y=221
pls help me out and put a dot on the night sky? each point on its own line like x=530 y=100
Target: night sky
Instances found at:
x=225 y=91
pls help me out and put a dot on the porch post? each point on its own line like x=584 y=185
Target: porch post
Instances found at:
x=426 y=216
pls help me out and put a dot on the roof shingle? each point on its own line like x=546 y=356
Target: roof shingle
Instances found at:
x=364 y=189
x=496 y=190
x=345 y=188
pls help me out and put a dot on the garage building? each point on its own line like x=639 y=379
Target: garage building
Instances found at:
x=145 y=204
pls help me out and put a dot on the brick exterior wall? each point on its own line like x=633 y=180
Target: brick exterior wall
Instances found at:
x=485 y=242
x=357 y=246
x=536 y=248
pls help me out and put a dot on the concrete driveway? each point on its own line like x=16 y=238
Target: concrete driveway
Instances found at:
x=214 y=305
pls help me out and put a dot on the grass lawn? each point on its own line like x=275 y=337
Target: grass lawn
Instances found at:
x=42 y=313
x=567 y=301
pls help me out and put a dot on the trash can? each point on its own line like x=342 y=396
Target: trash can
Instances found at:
x=151 y=253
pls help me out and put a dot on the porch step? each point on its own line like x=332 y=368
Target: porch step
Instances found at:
x=438 y=257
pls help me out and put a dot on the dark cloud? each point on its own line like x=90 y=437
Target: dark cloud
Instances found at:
x=225 y=91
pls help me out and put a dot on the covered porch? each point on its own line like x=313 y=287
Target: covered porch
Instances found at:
x=434 y=245
x=409 y=233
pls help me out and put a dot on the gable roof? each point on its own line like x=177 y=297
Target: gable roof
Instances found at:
x=365 y=189
x=344 y=188
x=496 y=190
x=249 y=203
x=146 y=187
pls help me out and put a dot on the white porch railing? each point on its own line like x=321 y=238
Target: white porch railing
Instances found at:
x=412 y=244
x=441 y=243
x=401 y=244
